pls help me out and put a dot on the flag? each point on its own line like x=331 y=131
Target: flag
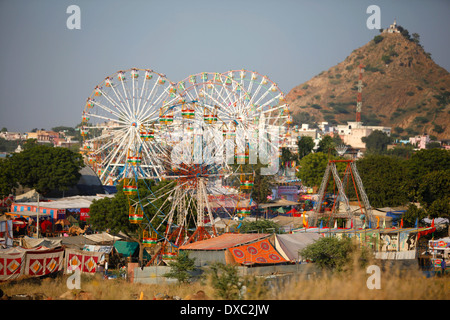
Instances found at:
x=370 y=224
x=417 y=223
x=378 y=222
x=305 y=223
x=321 y=224
x=351 y=225
x=335 y=224
x=401 y=223
x=384 y=223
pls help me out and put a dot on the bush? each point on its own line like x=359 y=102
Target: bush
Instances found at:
x=386 y=59
x=180 y=267
x=378 y=39
x=332 y=253
x=225 y=281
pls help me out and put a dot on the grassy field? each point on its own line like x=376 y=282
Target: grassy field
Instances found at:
x=348 y=285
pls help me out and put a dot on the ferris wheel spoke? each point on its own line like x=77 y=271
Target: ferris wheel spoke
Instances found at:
x=106 y=118
x=150 y=99
x=119 y=104
x=116 y=105
x=116 y=152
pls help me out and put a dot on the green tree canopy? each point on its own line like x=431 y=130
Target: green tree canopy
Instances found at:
x=377 y=142
x=305 y=146
x=332 y=253
x=112 y=213
x=7 y=179
x=384 y=179
x=45 y=168
x=327 y=145
x=179 y=269
x=313 y=166
x=259 y=226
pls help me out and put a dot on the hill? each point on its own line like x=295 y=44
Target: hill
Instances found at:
x=402 y=88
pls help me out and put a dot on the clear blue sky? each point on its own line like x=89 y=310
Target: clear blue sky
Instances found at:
x=48 y=71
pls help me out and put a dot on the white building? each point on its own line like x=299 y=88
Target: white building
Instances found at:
x=353 y=132
x=392 y=28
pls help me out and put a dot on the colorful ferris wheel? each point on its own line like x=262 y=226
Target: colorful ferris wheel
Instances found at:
x=205 y=183
x=197 y=135
x=118 y=122
x=264 y=103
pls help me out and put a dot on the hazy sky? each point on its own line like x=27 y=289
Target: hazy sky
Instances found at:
x=48 y=71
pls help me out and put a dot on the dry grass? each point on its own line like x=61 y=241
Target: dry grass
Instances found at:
x=395 y=285
x=348 y=285
x=100 y=289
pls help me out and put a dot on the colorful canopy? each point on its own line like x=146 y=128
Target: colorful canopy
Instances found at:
x=261 y=252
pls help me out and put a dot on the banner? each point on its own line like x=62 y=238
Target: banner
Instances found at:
x=40 y=261
x=43 y=262
x=11 y=264
x=84 y=260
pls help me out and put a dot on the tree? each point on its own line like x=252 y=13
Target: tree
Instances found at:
x=179 y=269
x=312 y=169
x=286 y=156
x=305 y=146
x=327 y=145
x=112 y=213
x=416 y=38
x=7 y=179
x=225 y=281
x=434 y=193
x=433 y=145
x=331 y=253
x=45 y=168
x=377 y=142
x=378 y=39
x=259 y=226
x=425 y=161
x=261 y=183
x=385 y=180
x=412 y=214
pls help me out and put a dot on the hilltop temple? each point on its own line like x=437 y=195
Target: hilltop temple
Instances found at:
x=392 y=28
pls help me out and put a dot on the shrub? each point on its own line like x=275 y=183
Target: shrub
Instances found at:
x=180 y=267
x=378 y=39
x=332 y=253
x=225 y=281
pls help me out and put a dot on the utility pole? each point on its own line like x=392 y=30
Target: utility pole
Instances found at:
x=37 y=220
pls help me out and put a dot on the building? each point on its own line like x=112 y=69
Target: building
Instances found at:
x=12 y=136
x=420 y=141
x=353 y=132
x=392 y=28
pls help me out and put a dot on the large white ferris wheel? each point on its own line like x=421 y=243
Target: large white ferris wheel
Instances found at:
x=118 y=117
x=196 y=134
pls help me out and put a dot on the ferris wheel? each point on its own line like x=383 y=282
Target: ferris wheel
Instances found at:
x=118 y=123
x=197 y=136
x=202 y=137
x=264 y=103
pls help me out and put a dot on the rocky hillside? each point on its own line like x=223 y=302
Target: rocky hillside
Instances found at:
x=403 y=89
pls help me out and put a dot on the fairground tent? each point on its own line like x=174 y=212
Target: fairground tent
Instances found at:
x=289 y=245
x=234 y=248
